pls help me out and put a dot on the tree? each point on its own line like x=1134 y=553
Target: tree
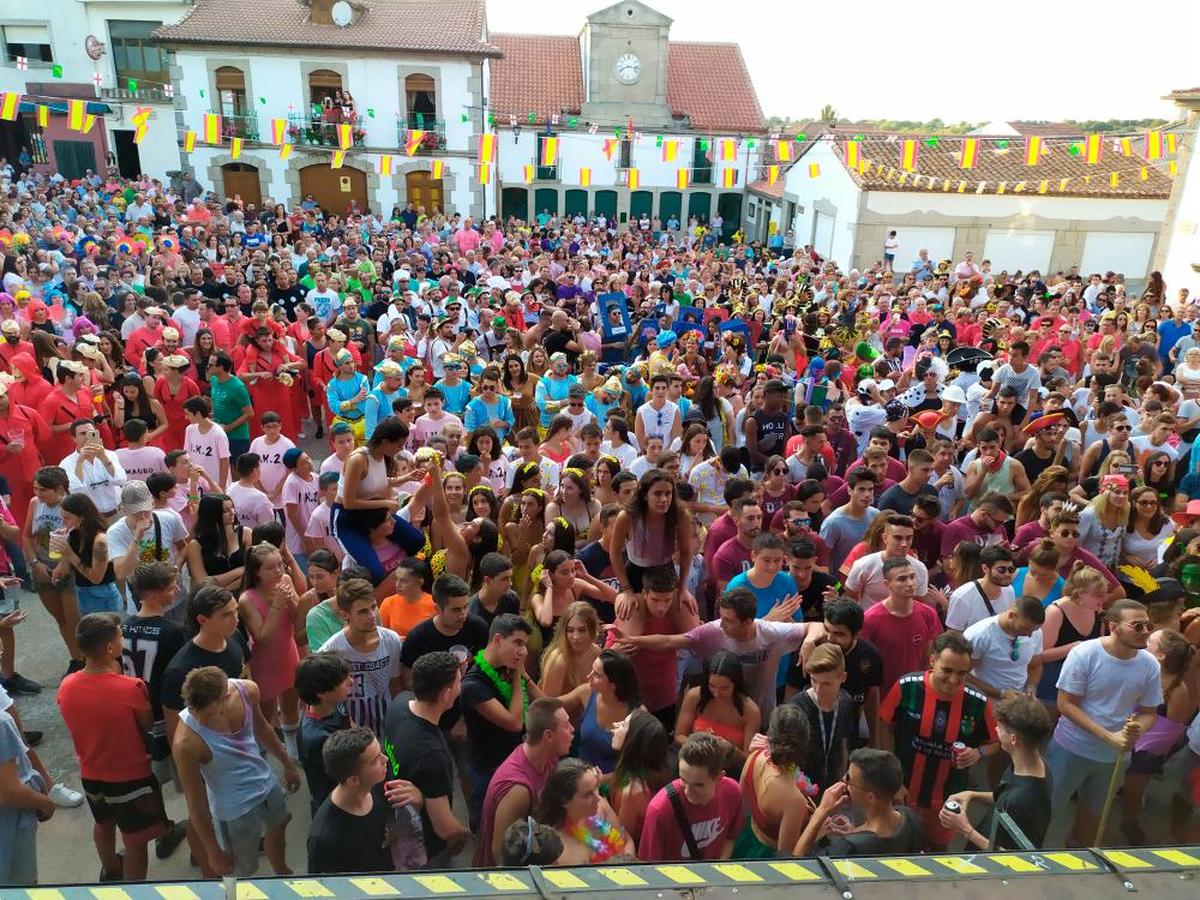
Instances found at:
x=828 y=114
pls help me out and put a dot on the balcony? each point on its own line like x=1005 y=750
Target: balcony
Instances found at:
x=702 y=174
x=319 y=133
x=545 y=173
x=147 y=94
x=434 y=139
x=244 y=127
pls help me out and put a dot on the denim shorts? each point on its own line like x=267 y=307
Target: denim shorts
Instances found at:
x=239 y=837
x=98 y=598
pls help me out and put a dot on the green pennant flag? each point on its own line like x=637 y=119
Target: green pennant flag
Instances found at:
x=370 y=112
x=201 y=93
x=704 y=144
x=932 y=142
x=131 y=84
x=56 y=70
x=262 y=100
x=466 y=117
x=1002 y=145
x=492 y=119
x=532 y=118
x=750 y=144
x=573 y=122
x=801 y=136
x=658 y=141
x=420 y=117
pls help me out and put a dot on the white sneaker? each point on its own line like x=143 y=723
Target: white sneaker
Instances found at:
x=65 y=797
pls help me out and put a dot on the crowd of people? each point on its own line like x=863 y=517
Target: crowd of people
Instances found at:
x=563 y=543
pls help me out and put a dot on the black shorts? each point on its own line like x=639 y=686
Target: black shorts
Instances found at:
x=136 y=807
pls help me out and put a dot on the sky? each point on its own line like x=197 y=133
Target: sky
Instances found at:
x=931 y=58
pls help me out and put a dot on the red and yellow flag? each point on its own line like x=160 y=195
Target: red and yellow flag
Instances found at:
x=968 y=153
x=338 y=158
x=585 y=177
x=670 y=150
x=528 y=173
x=549 y=151
x=610 y=147
x=1126 y=146
x=487 y=147
x=10 y=106
x=414 y=142
x=727 y=148
x=1093 y=149
x=1154 y=145
x=88 y=121
x=772 y=175
x=1114 y=179
x=485 y=173
x=814 y=170
x=212 y=128
x=235 y=147
x=385 y=164
x=682 y=178
x=189 y=141
x=75 y=113
x=634 y=179
x=1033 y=150
x=285 y=151
x=1170 y=139
x=728 y=177
x=783 y=151
x=344 y=136
x=908 y=157
x=278 y=130
x=435 y=171
x=43 y=115
x=139 y=133
x=852 y=154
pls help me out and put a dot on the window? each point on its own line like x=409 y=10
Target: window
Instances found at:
x=702 y=167
x=231 y=87
x=136 y=54
x=546 y=173
x=30 y=41
x=420 y=94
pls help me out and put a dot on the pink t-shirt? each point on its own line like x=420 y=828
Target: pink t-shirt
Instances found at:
x=306 y=495
x=466 y=239
x=331 y=464
x=900 y=641
x=142 y=461
x=207 y=450
x=426 y=427
x=712 y=825
x=252 y=506
x=272 y=472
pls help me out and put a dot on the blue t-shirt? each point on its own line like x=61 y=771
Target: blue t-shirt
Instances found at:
x=783 y=586
x=1169 y=334
x=457 y=396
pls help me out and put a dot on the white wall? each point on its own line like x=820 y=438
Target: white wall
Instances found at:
x=938 y=241
x=1002 y=206
x=1183 y=250
x=833 y=187
x=1118 y=251
x=1017 y=248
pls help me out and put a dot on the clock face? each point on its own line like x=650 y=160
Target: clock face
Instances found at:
x=628 y=68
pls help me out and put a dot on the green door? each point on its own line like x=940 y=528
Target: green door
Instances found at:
x=576 y=203
x=514 y=201
x=606 y=204
x=641 y=203
x=730 y=208
x=670 y=203
x=545 y=200
x=700 y=205
x=72 y=159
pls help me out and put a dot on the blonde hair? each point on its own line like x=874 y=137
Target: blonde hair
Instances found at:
x=1100 y=505
x=825 y=657
x=1115 y=457
x=1084 y=578
x=580 y=609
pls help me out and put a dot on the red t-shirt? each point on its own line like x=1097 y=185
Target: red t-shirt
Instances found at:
x=713 y=824
x=901 y=641
x=101 y=713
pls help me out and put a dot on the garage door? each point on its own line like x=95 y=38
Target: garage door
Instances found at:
x=333 y=189
x=823 y=234
x=1010 y=250
x=938 y=241
x=1116 y=251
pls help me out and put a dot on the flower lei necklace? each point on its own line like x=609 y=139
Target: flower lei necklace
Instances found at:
x=503 y=687
x=603 y=839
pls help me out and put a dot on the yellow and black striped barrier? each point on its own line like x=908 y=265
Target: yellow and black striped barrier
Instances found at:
x=1119 y=869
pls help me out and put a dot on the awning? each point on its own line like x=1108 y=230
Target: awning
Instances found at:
x=93 y=107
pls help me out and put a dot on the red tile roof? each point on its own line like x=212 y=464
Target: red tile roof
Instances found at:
x=453 y=26
x=812 y=131
x=543 y=74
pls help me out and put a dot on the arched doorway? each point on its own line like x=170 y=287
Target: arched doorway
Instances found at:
x=576 y=203
x=640 y=204
x=730 y=208
x=545 y=200
x=424 y=191
x=670 y=203
x=333 y=189
x=241 y=180
x=514 y=201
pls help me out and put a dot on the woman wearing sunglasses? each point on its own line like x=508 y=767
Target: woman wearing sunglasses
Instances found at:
x=1148 y=530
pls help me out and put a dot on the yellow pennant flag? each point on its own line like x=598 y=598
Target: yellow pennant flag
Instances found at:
x=772 y=175
x=436 y=171
x=339 y=157
x=88 y=121
x=1062 y=184
x=385 y=164
x=344 y=136
x=729 y=178
x=585 y=177
x=212 y=128
x=278 y=130
x=945 y=185
x=75 y=113
x=285 y=151
x=681 y=179
x=1043 y=186
x=43 y=115
x=903 y=179
x=549 y=151
x=528 y=173
x=783 y=151
x=852 y=154
x=485 y=173
x=1002 y=187
x=10 y=106
x=1144 y=174
x=962 y=187
x=487 y=147
x=634 y=179
x=139 y=133
x=863 y=166
x=1114 y=179
x=1170 y=140
x=235 y=147
x=1018 y=187
x=189 y=141
x=814 y=169
x=141 y=116
x=413 y=144
x=1172 y=168
x=1126 y=147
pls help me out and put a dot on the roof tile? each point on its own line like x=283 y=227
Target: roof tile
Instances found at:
x=538 y=73
x=709 y=83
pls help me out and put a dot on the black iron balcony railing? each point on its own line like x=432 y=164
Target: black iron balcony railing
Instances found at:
x=320 y=132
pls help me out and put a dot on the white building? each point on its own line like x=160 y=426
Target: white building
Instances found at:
x=408 y=66
x=101 y=51
x=1178 y=256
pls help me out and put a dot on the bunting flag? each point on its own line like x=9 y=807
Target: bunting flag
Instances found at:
x=1170 y=140
x=235 y=147
x=88 y=121
x=549 y=151
x=1172 y=167
x=139 y=133
x=385 y=164
x=1126 y=146
x=593 y=128
x=727 y=149
x=1043 y=186
x=75 y=115
x=1033 y=150
x=1062 y=184
x=485 y=173
x=968 y=154
x=487 y=147
x=285 y=150
x=10 y=106
x=212 y=128
x=728 y=178
x=43 y=115
x=1154 y=147
x=783 y=151
x=414 y=142
x=670 y=149
x=338 y=159
x=169 y=91
x=772 y=175
x=863 y=166
x=278 y=130
x=852 y=154
x=962 y=187
x=1114 y=179
x=22 y=63
x=1093 y=149
x=814 y=170
x=142 y=116
x=1018 y=187
x=1144 y=173
x=585 y=177
x=634 y=179
x=528 y=173
x=610 y=147
x=435 y=170
x=189 y=141
x=1001 y=187
x=908 y=157
x=344 y=136
x=681 y=179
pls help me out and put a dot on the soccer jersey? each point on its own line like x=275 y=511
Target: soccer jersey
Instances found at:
x=926 y=727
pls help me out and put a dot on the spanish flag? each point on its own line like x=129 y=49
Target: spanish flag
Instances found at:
x=772 y=175
x=968 y=154
x=1043 y=186
x=1093 y=149
x=669 y=150
x=385 y=164
x=413 y=142
x=1033 y=150
x=212 y=128
x=852 y=154
x=814 y=170
x=487 y=147
x=435 y=171
x=634 y=179
x=908 y=158
x=344 y=136
x=783 y=151
x=610 y=147
x=549 y=151
x=681 y=179
x=1126 y=146
x=88 y=121
x=728 y=178
x=75 y=115
x=139 y=133
x=728 y=149
x=1114 y=179
x=10 y=106
x=585 y=177
x=43 y=115
x=339 y=157
x=285 y=151
x=528 y=173
x=189 y=141
x=235 y=147
x=485 y=173
x=1153 y=145
x=278 y=130
x=1170 y=141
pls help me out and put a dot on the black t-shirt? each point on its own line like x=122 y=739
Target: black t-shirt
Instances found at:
x=830 y=735
x=424 y=760
x=812 y=598
x=864 y=670
x=425 y=638
x=310 y=741
x=1026 y=798
x=231 y=661
x=149 y=644
x=487 y=745
x=898 y=499
x=1033 y=464
x=288 y=298
x=509 y=603
x=339 y=841
x=909 y=838
x=556 y=342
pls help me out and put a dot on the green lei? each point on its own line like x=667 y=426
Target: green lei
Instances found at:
x=503 y=687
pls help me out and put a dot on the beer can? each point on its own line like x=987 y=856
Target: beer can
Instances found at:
x=952 y=806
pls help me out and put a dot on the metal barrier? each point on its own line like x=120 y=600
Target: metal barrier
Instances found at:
x=1165 y=872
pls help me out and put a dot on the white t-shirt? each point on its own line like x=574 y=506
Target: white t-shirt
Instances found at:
x=306 y=495
x=272 y=472
x=625 y=453
x=658 y=421
x=866 y=577
x=321 y=526
x=759 y=656
x=1142 y=444
x=372 y=674
x=189 y=324
x=102 y=486
x=138 y=462
x=252 y=506
x=967 y=606
x=331 y=463
x=1109 y=689
x=992 y=649
x=207 y=450
x=156 y=545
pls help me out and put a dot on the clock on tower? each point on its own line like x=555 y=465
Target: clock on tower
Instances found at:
x=628 y=68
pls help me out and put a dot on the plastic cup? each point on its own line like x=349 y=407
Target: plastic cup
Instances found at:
x=57 y=534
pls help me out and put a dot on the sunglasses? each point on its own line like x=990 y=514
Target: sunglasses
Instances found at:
x=779 y=471
x=1015 y=651
x=1139 y=627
